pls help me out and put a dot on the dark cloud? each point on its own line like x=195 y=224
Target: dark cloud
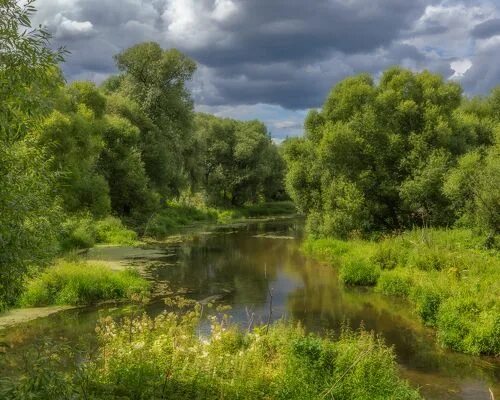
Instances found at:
x=286 y=53
x=487 y=28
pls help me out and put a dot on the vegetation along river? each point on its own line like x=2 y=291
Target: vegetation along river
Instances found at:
x=257 y=268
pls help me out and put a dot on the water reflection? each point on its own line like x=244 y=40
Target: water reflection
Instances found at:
x=248 y=264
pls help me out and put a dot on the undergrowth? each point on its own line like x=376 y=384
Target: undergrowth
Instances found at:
x=166 y=358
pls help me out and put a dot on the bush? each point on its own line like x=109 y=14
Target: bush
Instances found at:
x=388 y=255
x=111 y=230
x=394 y=283
x=330 y=250
x=78 y=232
x=427 y=300
x=466 y=325
x=429 y=259
x=81 y=283
x=359 y=272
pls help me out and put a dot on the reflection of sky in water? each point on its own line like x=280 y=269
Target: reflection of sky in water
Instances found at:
x=241 y=270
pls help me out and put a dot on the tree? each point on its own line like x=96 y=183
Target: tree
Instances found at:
x=28 y=207
x=238 y=161
x=155 y=79
x=375 y=157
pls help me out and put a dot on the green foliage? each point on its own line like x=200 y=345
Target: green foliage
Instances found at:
x=384 y=156
x=82 y=232
x=396 y=282
x=78 y=232
x=110 y=230
x=175 y=216
x=359 y=272
x=29 y=212
x=238 y=162
x=449 y=278
x=165 y=357
x=81 y=283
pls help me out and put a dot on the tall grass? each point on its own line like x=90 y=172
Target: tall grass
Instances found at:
x=451 y=281
x=82 y=232
x=165 y=358
x=81 y=283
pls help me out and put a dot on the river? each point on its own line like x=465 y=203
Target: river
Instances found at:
x=257 y=268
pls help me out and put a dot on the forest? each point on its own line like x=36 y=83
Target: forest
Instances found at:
x=397 y=178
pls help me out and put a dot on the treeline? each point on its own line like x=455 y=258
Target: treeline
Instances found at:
x=410 y=150
x=72 y=154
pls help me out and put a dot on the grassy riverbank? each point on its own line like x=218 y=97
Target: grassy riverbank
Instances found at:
x=165 y=357
x=178 y=215
x=82 y=283
x=452 y=282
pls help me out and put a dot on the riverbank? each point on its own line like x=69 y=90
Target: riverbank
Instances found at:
x=165 y=357
x=247 y=264
x=451 y=281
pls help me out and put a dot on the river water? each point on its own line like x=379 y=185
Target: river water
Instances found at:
x=257 y=268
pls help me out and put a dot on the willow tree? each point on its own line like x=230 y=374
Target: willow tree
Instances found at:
x=28 y=212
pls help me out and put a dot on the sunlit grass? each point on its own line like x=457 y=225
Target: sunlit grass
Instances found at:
x=81 y=283
x=451 y=281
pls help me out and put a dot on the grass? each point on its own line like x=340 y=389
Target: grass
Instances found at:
x=176 y=215
x=165 y=357
x=83 y=232
x=452 y=282
x=81 y=283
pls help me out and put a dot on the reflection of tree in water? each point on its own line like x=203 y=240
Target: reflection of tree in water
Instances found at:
x=322 y=303
x=238 y=262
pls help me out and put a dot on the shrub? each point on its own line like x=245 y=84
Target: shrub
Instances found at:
x=79 y=283
x=394 y=283
x=111 y=230
x=326 y=249
x=429 y=259
x=388 y=255
x=78 y=232
x=468 y=325
x=359 y=272
x=427 y=300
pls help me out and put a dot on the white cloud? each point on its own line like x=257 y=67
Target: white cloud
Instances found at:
x=460 y=67
x=66 y=28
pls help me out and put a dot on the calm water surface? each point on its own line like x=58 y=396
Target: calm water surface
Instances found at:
x=249 y=265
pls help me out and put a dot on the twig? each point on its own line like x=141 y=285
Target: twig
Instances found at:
x=270 y=308
x=360 y=357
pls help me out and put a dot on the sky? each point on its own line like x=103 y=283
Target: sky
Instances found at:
x=275 y=59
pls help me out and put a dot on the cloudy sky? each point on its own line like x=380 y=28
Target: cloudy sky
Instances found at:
x=275 y=59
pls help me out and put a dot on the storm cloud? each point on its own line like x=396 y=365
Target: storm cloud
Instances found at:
x=281 y=54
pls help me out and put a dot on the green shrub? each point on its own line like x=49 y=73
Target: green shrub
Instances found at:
x=427 y=299
x=326 y=249
x=396 y=282
x=110 y=230
x=388 y=255
x=468 y=325
x=429 y=259
x=79 y=283
x=275 y=208
x=78 y=232
x=359 y=272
